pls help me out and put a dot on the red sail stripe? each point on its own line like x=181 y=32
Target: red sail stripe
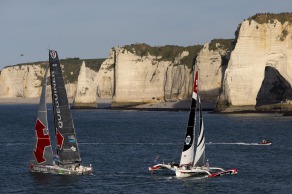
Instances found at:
x=196 y=83
x=60 y=139
x=43 y=140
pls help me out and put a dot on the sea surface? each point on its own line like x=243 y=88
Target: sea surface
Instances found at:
x=121 y=145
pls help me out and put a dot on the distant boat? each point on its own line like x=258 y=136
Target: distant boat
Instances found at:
x=193 y=163
x=67 y=159
x=265 y=142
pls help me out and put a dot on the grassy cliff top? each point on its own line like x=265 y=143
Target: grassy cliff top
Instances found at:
x=269 y=17
x=71 y=67
x=225 y=44
x=167 y=53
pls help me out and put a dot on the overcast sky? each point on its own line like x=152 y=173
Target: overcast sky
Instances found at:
x=89 y=28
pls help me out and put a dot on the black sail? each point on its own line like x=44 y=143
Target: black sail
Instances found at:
x=187 y=156
x=67 y=147
x=191 y=125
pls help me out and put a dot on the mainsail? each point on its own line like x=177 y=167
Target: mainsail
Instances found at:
x=67 y=147
x=42 y=154
x=187 y=156
x=200 y=151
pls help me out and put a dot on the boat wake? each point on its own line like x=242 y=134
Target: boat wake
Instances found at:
x=236 y=143
x=15 y=144
x=95 y=143
x=127 y=143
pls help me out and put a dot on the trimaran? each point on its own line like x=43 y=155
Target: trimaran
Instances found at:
x=193 y=163
x=67 y=159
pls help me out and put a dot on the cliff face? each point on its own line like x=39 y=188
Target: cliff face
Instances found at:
x=256 y=74
x=25 y=81
x=258 y=46
x=211 y=63
x=86 y=88
x=92 y=84
x=148 y=80
x=21 y=81
x=128 y=78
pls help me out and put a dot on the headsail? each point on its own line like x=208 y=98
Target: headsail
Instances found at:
x=187 y=156
x=200 y=151
x=42 y=153
x=67 y=147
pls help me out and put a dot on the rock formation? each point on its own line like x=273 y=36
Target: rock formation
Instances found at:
x=25 y=81
x=259 y=45
x=212 y=62
x=146 y=79
x=128 y=76
x=86 y=89
x=92 y=84
x=274 y=90
x=21 y=81
x=254 y=73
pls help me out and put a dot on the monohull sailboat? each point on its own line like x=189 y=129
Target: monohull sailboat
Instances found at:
x=67 y=159
x=193 y=163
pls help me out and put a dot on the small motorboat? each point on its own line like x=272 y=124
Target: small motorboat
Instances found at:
x=265 y=142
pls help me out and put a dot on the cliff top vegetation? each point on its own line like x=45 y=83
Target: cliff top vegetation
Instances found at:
x=226 y=44
x=166 y=53
x=270 y=17
x=262 y=18
x=71 y=67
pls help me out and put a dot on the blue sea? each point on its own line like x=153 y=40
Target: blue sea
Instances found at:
x=121 y=145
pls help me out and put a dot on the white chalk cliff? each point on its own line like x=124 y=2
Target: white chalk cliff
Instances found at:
x=25 y=81
x=21 y=81
x=126 y=78
x=258 y=46
x=148 y=80
x=211 y=72
x=92 y=84
x=259 y=71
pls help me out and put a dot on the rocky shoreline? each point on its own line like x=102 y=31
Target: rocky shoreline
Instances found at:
x=20 y=100
x=162 y=106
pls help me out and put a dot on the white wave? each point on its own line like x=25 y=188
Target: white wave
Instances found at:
x=91 y=143
x=234 y=143
x=15 y=144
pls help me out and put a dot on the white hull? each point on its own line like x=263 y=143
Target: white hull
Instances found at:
x=185 y=172
x=265 y=144
x=194 y=171
x=203 y=172
x=55 y=169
